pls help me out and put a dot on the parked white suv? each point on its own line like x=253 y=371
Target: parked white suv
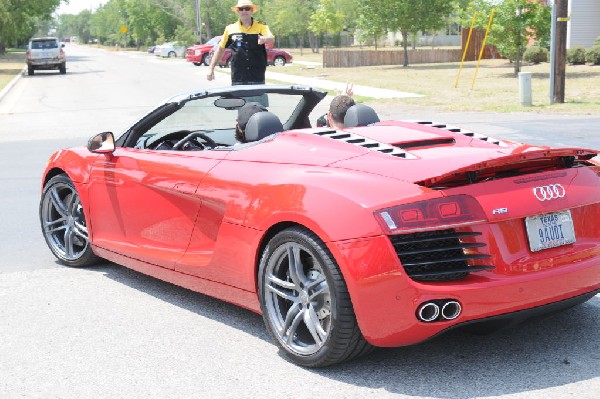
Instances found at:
x=46 y=53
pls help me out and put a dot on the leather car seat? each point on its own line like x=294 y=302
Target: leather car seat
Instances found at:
x=360 y=115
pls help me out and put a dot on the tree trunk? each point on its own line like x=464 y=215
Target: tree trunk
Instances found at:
x=313 y=40
x=405 y=46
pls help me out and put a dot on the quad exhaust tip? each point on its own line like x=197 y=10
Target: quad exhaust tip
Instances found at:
x=439 y=310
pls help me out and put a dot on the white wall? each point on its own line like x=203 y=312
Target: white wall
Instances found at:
x=584 y=25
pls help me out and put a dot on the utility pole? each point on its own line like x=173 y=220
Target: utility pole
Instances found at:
x=198 y=22
x=562 y=17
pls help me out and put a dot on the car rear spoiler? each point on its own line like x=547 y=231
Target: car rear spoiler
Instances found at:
x=519 y=162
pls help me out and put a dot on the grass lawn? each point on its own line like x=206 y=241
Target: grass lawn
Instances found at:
x=11 y=64
x=496 y=89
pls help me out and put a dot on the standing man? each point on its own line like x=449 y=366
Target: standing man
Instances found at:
x=246 y=38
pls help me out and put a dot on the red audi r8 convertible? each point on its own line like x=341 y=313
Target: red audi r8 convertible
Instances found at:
x=384 y=233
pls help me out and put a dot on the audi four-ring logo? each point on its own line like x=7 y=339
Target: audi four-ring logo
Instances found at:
x=547 y=193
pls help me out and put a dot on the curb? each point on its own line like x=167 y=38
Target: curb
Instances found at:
x=10 y=85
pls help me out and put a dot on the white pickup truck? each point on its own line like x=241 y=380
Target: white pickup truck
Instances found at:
x=46 y=53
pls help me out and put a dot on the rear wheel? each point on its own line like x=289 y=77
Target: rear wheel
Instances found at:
x=279 y=61
x=64 y=224
x=305 y=302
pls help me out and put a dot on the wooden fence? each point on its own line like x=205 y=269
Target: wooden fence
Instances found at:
x=338 y=58
x=333 y=58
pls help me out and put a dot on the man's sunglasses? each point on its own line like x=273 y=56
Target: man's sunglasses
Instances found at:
x=244 y=8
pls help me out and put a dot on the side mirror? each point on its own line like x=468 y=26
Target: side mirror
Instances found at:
x=322 y=121
x=102 y=143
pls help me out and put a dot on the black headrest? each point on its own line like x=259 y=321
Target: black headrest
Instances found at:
x=360 y=115
x=261 y=125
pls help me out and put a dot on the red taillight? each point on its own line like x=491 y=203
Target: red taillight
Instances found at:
x=431 y=214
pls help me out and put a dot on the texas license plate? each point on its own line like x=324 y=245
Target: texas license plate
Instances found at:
x=550 y=230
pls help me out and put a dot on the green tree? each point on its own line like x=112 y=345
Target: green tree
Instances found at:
x=410 y=17
x=19 y=19
x=327 y=18
x=372 y=19
x=516 y=23
x=287 y=18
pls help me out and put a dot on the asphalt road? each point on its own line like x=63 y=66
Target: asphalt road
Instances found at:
x=109 y=332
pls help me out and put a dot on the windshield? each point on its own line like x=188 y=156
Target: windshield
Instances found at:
x=43 y=44
x=214 y=40
x=219 y=123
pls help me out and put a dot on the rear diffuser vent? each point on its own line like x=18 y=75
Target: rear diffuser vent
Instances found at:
x=438 y=255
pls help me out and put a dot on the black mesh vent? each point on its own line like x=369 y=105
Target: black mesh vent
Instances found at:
x=438 y=255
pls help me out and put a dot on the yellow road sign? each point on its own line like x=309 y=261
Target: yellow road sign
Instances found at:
x=123 y=29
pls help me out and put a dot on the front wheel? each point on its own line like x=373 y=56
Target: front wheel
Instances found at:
x=172 y=54
x=64 y=224
x=206 y=59
x=62 y=68
x=305 y=302
x=30 y=70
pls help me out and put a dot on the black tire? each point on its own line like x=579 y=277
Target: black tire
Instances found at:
x=279 y=61
x=172 y=54
x=197 y=63
x=62 y=68
x=64 y=224
x=307 y=308
x=206 y=59
x=30 y=70
x=228 y=63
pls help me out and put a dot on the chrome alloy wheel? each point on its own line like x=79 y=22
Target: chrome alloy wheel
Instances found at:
x=63 y=222
x=297 y=298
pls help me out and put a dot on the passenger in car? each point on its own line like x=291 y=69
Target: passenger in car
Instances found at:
x=337 y=110
x=244 y=114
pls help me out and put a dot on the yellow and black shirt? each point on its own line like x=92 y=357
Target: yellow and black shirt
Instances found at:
x=248 y=59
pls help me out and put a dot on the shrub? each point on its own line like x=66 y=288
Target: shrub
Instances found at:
x=597 y=41
x=576 y=55
x=535 y=54
x=593 y=55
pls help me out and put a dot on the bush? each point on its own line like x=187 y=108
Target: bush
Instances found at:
x=576 y=55
x=597 y=41
x=593 y=55
x=535 y=54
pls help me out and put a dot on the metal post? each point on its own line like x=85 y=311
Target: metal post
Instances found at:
x=552 y=51
x=525 y=89
x=198 y=21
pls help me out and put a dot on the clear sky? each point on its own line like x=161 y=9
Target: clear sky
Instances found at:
x=76 y=6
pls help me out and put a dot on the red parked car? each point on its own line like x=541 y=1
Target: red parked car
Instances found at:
x=198 y=53
x=276 y=57
x=383 y=233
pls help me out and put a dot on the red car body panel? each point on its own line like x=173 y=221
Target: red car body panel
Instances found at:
x=201 y=219
x=197 y=52
x=272 y=53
